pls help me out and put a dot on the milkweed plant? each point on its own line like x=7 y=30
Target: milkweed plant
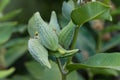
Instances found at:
x=56 y=40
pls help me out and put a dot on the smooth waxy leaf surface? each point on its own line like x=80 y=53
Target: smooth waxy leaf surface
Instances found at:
x=105 y=72
x=89 y=11
x=100 y=61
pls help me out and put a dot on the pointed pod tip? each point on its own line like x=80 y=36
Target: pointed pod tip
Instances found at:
x=53 y=12
x=37 y=13
x=49 y=66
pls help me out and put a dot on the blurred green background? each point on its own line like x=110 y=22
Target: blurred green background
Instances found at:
x=31 y=6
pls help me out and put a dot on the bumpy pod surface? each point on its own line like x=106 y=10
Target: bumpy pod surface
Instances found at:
x=38 y=52
x=66 y=35
x=47 y=36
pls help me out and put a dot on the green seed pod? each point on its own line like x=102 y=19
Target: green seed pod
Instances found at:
x=47 y=36
x=38 y=52
x=66 y=35
x=33 y=25
x=54 y=23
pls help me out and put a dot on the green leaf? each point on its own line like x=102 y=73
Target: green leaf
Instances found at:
x=90 y=11
x=105 y=72
x=54 y=22
x=3 y=4
x=41 y=73
x=38 y=52
x=5 y=73
x=74 y=76
x=16 y=48
x=10 y=15
x=67 y=8
x=6 y=30
x=114 y=41
x=66 y=35
x=99 y=61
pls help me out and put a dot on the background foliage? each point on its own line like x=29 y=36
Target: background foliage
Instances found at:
x=16 y=62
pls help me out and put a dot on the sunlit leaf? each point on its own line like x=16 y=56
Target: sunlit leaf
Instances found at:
x=89 y=11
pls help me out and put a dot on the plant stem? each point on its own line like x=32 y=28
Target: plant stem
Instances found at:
x=63 y=72
x=75 y=38
x=73 y=43
x=99 y=42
